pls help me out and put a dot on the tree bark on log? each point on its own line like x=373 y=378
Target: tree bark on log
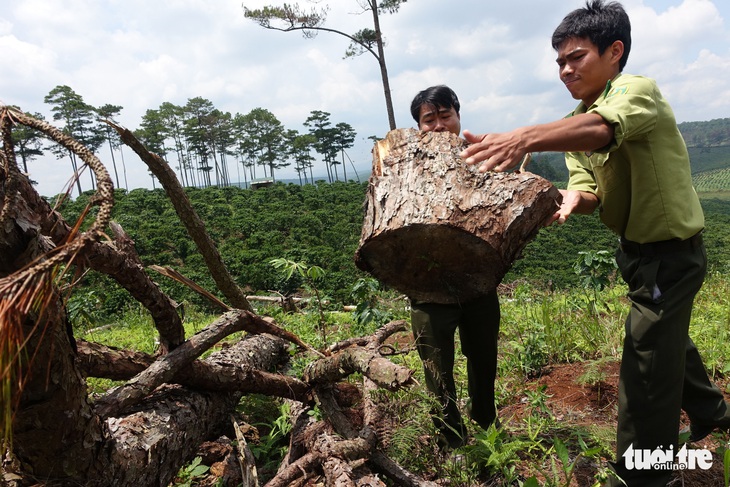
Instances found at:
x=47 y=393
x=165 y=368
x=437 y=230
x=124 y=269
x=96 y=360
x=381 y=370
x=148 y=446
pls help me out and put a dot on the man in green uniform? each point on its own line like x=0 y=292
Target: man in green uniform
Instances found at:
x=627 y=158
x=434 y=325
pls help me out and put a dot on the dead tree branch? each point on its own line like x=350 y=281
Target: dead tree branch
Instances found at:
x=381 y=370
x=164 y=369
x=97 y=360
x=188 y=216
x=164 y=430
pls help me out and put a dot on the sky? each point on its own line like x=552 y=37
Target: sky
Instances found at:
x=496 y=55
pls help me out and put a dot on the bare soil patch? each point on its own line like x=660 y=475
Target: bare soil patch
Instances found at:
x=583 y=395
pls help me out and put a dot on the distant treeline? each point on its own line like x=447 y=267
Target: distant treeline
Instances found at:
x=320 y=225
x=713 y=133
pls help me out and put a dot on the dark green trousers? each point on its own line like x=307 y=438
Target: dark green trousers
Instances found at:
x=434 y=327
x=661 y=369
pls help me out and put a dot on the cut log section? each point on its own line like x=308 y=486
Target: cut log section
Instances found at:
x=437 y=230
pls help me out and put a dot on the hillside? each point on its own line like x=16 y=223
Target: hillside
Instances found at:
x=320 y=225
x=712 y=181
x=709 y=158
x=712 y=133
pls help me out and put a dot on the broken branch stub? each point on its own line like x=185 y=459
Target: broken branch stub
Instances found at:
x=437 y=230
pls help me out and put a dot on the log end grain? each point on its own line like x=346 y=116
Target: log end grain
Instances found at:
x=437 y=230
x=433 y=263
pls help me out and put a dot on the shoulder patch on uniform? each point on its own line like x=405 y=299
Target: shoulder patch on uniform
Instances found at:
x=619 y=90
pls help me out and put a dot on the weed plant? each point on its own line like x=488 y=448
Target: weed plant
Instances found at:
x=548 y=327
x=710 y=327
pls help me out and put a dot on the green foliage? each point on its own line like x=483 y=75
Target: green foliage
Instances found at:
x=291 y=16
x=712 y=181
x=390 y=6
x=363 y=41
x=547 y=260
x=710 y=329
x=562 y=473
x=564 y=456
x=321 y=224
x=365 y=293
x=289 y=267
x=312 y=232
x=412 y=443
x=531 y=350
x=82 y=309
x=550 y=165
x=537 y=445
x=134 y=329
x=543 y=327
x=27 y=142
x=723 y=452
x=495 y=451
x=272 y=447
x=595 y=374
x=703 y=159
x=710 y=133
x=595 y=268
x=537 y=402
x=187 y=475
x=311 y=275
x=717 y=233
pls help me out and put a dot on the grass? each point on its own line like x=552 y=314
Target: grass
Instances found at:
x=539 y=329
x=710 y=328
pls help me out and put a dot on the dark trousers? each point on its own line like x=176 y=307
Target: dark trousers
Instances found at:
x=661 y=369
x=434 y=327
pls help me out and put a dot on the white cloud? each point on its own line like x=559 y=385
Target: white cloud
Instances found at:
x=702 y=87
x=674 y=34
x=27 y=61
x=496 y=55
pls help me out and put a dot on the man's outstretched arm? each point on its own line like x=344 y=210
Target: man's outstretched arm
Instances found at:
x=503 y=151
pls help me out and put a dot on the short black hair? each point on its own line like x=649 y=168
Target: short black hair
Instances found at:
x=440 y=96
x=601 y=23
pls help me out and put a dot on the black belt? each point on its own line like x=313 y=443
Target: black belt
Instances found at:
x=663 y=247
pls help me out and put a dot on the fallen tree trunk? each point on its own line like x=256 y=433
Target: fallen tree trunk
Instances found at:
x=142 y=432
x=437 y=230
x=356 y=418
x=96 y=360
x=164 y=369
x=149 y=445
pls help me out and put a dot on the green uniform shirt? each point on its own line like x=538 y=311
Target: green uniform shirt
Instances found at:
x=642 y=178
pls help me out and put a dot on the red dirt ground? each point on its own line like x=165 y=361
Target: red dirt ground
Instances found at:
x=595 y=406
